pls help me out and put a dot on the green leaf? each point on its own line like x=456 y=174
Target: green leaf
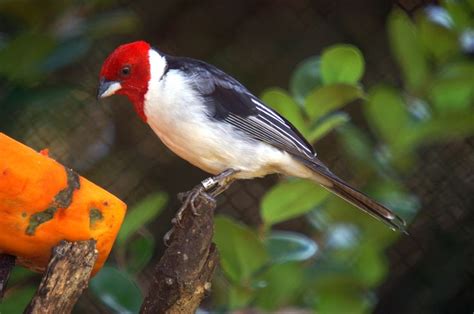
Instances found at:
x=326 y=125
x=305 y=78
x=282 y=102
x=471 y=4
x=141 y=214
x=386 y=112
x=342 y=301
x=291 y=199
x=436 y=14
x=439 y=129
x=284 y=284
x=438 y=40
x=358 y=146
x=342 y=64
x=461 y=69
x=370 y=267
x=238 y=297
x=20 y=274
x=284 y=246
x=21 y=63
x=453 y=88
x=460 y=13
x=453 y=94
x=16 y=301
x=139 y=252
x=407 y=48
x=329 y=98
x=338 y=289
x=116 y=290
x=242 y=252
x=332 y=275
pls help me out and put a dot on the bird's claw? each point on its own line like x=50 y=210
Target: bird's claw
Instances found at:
x=167 y=237
x=190 y=199
x=206 y=192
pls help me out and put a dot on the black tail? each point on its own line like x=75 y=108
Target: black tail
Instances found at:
x=357 y=198
x=366 y=204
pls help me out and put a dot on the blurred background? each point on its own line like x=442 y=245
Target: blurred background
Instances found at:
x=383 y=89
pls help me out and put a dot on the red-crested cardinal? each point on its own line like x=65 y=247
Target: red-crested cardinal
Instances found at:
x=211 y=120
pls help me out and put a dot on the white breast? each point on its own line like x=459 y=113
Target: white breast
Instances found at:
x=178 y=116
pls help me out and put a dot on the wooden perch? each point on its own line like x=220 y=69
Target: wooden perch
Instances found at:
x=183 y=274
x=66 y=277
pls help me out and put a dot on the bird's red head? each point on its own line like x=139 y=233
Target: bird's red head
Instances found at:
x=126 y=71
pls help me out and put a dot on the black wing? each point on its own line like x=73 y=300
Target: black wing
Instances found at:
x=230 y=101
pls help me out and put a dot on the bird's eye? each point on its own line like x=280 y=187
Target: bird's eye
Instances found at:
x=125 y=71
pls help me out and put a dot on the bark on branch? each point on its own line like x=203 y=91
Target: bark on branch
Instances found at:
x=65 y=278
x=183 y=274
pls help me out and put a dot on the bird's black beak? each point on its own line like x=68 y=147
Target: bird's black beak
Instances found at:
x=107 y=88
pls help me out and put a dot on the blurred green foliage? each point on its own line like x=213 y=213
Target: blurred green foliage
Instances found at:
x=337 y=265
x=41 y=39
x=346 y=248
x=117 y=290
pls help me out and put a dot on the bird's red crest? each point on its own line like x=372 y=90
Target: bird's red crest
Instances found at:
x=134 y=81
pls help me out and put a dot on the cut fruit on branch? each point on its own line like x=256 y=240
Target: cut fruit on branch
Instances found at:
x=43 y=202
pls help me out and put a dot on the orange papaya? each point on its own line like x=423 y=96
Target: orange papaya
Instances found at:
x=43 y=202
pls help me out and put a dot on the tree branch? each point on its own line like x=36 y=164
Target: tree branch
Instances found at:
x=6 y=265
x=183 y=274
x=65 y=278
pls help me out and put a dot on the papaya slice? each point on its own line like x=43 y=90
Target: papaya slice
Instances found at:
x=43 y=202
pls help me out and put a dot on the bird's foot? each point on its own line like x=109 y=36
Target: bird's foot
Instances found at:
x=222 y=181
x=206 y=192
x=190 y=199
x=219 y=183
x=222 y=186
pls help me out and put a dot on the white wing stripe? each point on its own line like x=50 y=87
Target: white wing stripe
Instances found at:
x=287 y=140
x=270 y=132
x=291 y=138
x=263 y=111
x=252 y=128
x=261 y=107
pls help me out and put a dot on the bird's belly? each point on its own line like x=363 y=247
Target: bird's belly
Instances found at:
x=216 y=148
x=203 y=155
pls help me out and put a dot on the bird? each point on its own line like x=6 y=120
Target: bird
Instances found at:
x=211 y=120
